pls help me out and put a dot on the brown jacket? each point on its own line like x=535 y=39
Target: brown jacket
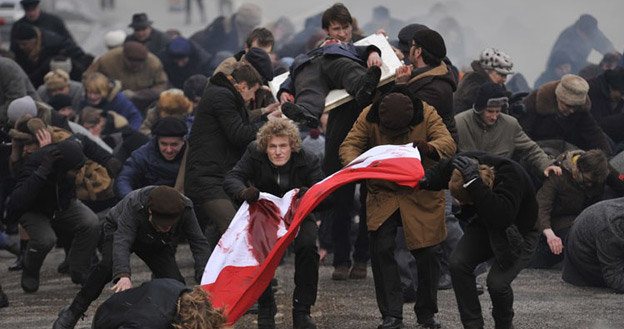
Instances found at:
x=151 y=76
x=422 y=212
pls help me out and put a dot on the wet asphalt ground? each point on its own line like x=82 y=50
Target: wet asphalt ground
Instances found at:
x=542 y=299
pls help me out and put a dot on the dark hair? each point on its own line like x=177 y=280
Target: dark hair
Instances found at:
x=337 y=13
x=594 y=162
x=262 y=35
x=194 y=86
x=610 y=59
x=246 y=73
x=429 y=59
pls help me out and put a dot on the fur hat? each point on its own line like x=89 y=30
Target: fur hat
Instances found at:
x=165 y=204
x=114 y=38
x=173 y=102
x=135 y=51
x=572 y=90
x=248 y=15
x=56 y=79
x=406 y=35
x=396 y=111
x=169 y=126
x=260 y=60
x=493 y=59
x=21 y=106
x=179 y=47
x=26 y=128
x=431 y=41
x=490 y=94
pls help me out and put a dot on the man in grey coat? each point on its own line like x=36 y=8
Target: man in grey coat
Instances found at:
x=14 y=84
x=149 y=222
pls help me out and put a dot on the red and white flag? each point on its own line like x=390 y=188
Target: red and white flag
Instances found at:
x=243 y=263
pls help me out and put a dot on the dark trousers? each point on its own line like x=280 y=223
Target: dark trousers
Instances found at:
x=160 y=261
x=473 y=249
x=322 y=74
x=543 y=256
x=386 y=273
x=306 y=268
x=76 y=223
x=341 y=226
x=214 y=217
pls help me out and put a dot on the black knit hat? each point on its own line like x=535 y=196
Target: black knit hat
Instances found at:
x=60 y=101
x=490 y=94
x=169 y=126
x=166 y=204
x=25 y=32
x=431 y=41
x=260 y=60
x=72 y=156
x=407 y=34
x=615 y=78
x=140 y=21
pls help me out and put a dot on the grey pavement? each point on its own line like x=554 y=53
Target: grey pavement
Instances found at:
x=542 y=300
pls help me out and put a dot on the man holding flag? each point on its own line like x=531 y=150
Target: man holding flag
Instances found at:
x=399 y=118
x=275 y=163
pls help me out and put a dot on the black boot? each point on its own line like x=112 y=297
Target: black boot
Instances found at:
x=18 y=265
x=295 y=113
x=267 y=309
x=67 y=319
x=368 y=85
x=30 y=274
x=4 y=300
x=301 y=317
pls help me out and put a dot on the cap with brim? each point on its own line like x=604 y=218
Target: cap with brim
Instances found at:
x=407 y=34
x=140 y=21
x=165 y=204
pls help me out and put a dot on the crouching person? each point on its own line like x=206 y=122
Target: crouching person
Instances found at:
x=149 y=222
x=45 y=200
x=275 y=163
x=498 y=201
x=398 y=118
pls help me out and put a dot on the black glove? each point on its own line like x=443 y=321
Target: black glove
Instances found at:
x=468 y=168
x=302 y=192
x=423 y=183
x=250 y=194
x=426 y=149
x=50 y=158
x=518 y=97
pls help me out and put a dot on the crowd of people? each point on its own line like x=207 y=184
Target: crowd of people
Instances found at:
x=159 y=140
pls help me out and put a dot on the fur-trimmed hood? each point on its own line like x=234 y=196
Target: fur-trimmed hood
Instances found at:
x=114 y=90
x=566 y=159
x=373 y=114
x=546 y=100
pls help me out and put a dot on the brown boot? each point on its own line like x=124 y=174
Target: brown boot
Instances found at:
x=358 y=271
x=341 y=273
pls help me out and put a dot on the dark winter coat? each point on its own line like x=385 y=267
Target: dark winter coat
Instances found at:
x=562 y=198
x=39 y=189
x=543 y=121
x=146 y=166
x=302 y=170
x=436 y=87
x=200 y=62
x=609 y=115
x=155 y=43
x=594 y=247
x=14 y=83
x=579 y=47
x=466 y=94
x=220 y=35
x=221 y=131
x=154 y=304
x=52 y=45
x=116 y=101
x=510 y=202
x=45 y=21
x=357 y=53
x=422 y=212
x=128 y=222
